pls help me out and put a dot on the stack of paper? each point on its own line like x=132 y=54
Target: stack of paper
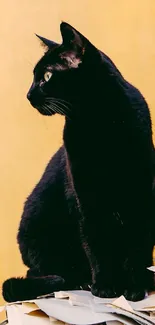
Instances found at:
x=81 y=308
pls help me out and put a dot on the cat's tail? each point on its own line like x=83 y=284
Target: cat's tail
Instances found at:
x=19 y=289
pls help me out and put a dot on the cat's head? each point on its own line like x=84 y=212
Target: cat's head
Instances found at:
x=64 y=74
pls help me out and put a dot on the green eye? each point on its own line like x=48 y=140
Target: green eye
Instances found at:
x=47 y=75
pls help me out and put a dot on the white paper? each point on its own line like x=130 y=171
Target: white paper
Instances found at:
x=122 y=303
x=151 y=268
x=14 y=315
x=54 y=321
x=62 y=310
x=17 y=317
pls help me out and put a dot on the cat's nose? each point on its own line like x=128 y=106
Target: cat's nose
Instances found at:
x=31 y=91
x=28 y=95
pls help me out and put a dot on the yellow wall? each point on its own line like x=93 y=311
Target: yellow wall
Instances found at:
x=123 y=29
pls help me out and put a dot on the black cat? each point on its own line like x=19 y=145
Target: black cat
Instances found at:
x=95 y=198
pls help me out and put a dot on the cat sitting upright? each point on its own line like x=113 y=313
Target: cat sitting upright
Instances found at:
x=90 y=219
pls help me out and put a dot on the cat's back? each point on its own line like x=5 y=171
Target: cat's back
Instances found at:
x=129 y=97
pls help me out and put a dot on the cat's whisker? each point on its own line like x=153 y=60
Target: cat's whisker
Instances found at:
x=46 y=109
x=57 y=108
x=43 y=108
x=56 y=102
x=62 y=105
x=53 y=107
x=65 y=110
x=60 y=101
x=62 y=111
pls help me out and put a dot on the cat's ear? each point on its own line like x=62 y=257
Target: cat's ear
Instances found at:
x=72 y=39
x=46 y=42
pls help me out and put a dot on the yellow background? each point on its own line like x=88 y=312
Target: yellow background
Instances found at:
x=125 y=30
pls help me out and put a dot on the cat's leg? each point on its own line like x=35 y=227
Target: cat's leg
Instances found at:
x=53 y=254
x=110 y=241
x=139 y=251
x=139 y=280
x=105 y=251
x=108 y=276
x=49 y=238
x=37 y=284
x=18 y=289
x=127 y=274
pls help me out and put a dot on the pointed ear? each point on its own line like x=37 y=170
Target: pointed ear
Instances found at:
x=46 y=43
x=72 y=39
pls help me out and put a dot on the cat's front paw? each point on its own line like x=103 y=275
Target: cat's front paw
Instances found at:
x=9 y=289
x=104 y=292
x=134 y=295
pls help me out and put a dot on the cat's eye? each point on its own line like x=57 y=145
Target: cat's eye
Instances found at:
x=47 y=75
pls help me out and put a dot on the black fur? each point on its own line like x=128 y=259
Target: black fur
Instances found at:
x=98 y=188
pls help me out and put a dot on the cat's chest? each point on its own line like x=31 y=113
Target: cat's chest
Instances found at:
x=96 y=156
